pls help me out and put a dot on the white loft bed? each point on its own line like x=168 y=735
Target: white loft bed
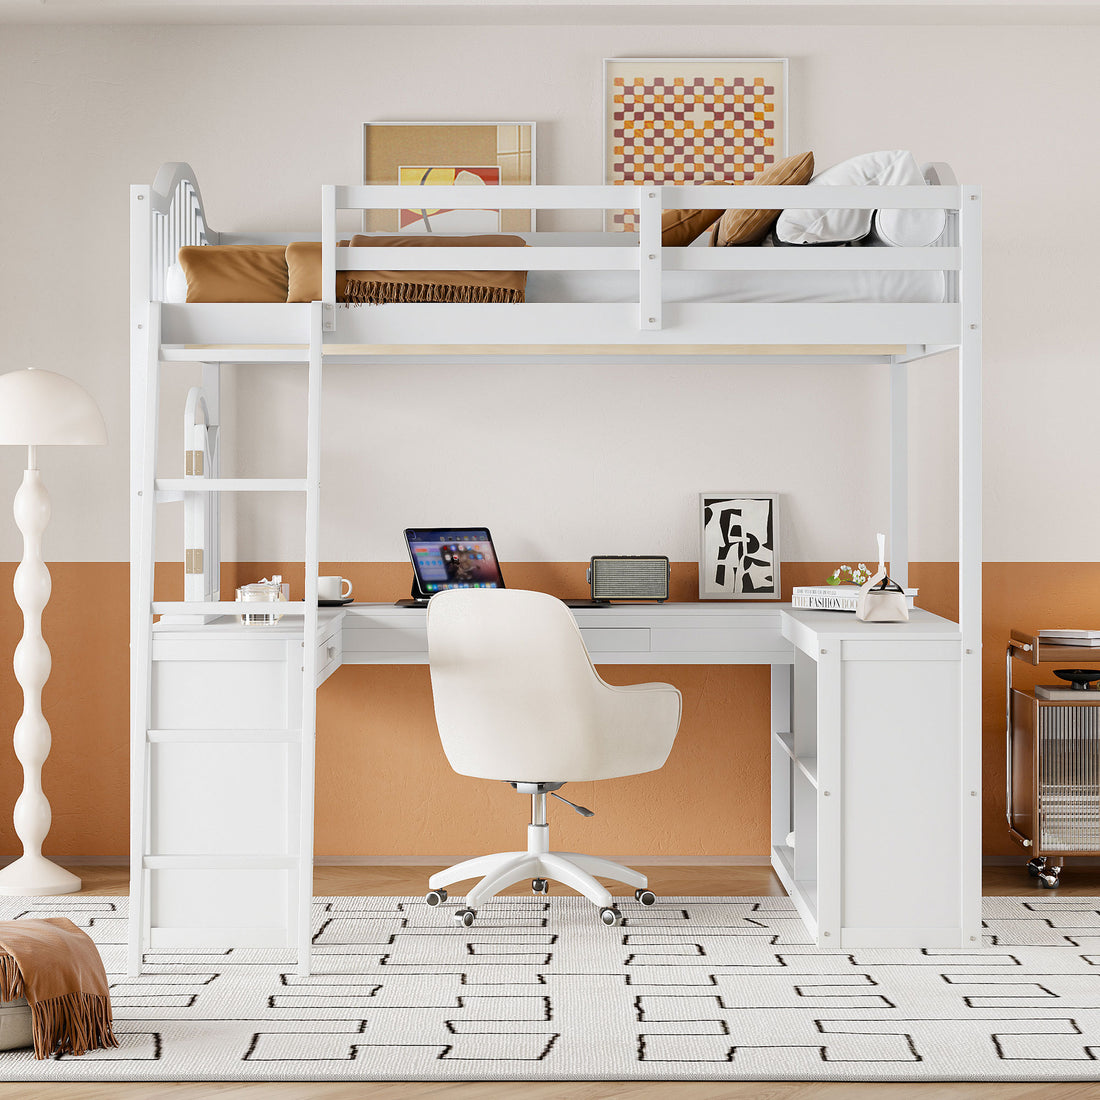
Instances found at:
x=170 y=214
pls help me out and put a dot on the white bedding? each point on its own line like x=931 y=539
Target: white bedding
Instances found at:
x=729 y=286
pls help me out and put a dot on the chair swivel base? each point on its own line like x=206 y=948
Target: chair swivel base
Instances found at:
x=573 y=869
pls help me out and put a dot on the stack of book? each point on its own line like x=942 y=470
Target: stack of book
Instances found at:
x=833 y=597
x=1063 y=636
x=1080 y=639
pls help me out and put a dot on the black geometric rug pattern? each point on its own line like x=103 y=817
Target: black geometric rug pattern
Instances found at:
x=538 y=989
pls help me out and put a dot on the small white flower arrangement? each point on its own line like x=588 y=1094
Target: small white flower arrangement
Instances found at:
x=857 y=574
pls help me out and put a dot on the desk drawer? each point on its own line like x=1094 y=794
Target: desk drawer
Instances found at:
x=396 y=641
x=736 y=643
x=330 y=653
x=611 y=639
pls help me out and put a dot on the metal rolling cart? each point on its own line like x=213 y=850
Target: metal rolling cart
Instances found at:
x=1053 y=757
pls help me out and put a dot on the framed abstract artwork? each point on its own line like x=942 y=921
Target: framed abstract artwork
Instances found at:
x=739 y=546
x=482 y=154
x=691 y=121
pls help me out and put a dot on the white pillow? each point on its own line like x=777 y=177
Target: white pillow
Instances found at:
x=175 y=284
x=890 y=168
x=909 y=228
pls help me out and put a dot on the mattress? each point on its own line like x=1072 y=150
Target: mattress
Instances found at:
x=726 y=286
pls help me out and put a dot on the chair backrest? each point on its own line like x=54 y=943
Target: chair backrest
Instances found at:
x=517 y=698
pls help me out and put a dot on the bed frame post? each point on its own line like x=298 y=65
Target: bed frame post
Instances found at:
x=142 y=357
x=649 y=258
x=328 y=256
x=970 y=554
x=303 y=896
x=898 y=548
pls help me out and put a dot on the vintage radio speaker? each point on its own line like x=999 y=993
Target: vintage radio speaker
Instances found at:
x=638 y=577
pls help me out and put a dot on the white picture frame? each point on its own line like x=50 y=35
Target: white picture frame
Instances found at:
x=739 y=546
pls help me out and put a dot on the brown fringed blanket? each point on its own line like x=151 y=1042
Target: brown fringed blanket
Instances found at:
x=57 y=968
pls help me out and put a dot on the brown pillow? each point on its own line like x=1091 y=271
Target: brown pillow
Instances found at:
x=235 y=272
x=752 y=226
x=303 y=266
x=681 y=227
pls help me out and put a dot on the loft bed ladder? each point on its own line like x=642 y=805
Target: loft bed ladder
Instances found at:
x=164 y=217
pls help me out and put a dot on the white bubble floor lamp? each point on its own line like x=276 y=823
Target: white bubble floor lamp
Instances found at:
x=37 y=408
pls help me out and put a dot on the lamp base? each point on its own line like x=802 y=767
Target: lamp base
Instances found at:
x=32 y=876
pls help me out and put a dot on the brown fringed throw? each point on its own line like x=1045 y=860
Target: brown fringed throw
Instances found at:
x=382 y=287
x=372 y=292
x=57 y=968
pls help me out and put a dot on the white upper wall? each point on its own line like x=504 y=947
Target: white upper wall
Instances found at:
x=561 y=463
x=535 y=12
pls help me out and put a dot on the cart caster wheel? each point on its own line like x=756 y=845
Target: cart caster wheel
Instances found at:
x=435 y=897
x=465 y=917
x=1035 y=866
x=1048 y=882
x=540 y=886
x=611 y=916
x=646 y=897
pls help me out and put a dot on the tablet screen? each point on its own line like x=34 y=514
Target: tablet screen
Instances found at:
x=453 y=557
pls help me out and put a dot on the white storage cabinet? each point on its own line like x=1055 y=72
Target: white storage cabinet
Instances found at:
x=872 y=781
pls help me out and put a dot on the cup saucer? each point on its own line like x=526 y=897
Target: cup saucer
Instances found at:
x=336 y=603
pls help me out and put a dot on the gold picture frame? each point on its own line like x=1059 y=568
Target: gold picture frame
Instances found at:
x=486 y=153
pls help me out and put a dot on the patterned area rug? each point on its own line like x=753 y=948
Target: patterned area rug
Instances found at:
x=538 y=989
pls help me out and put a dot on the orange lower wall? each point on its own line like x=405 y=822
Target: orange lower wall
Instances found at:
x=383 y=785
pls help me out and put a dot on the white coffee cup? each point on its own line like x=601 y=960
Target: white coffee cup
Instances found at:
x=332 y=588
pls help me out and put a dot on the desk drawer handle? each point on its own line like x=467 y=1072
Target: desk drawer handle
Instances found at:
x=331 y=652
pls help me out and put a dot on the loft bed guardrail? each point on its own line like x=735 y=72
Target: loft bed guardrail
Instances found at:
x=652 y=323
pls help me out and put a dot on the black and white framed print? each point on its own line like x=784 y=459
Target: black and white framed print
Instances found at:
x=739 y=546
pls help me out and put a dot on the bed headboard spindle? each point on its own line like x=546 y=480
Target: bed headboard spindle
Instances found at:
x=177 y=219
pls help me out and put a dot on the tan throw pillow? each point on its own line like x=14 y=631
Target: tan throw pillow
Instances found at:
x=235 y=272
x=303 y=269
x=752 y=226
x=681 y=227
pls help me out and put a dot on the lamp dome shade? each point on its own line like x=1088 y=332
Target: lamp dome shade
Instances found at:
x=40 y=407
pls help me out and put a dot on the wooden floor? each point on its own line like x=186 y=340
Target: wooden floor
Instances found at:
x=707 y=881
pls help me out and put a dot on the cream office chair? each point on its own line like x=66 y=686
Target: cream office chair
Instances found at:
x=517 y=699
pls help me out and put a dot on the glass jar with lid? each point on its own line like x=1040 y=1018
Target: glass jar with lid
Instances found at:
x=264 y=591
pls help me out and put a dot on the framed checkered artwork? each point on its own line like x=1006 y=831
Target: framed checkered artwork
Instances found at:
x=691 y=121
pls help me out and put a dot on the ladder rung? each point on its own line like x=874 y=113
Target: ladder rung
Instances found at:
x=176 y=485
x=292 y=608
x=224 y=737
x=220 y=863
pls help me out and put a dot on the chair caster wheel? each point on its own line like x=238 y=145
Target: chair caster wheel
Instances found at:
x=1048 y=882
x=1035 y=866
x=465 y=917
x=646 y=897
x=435 y=897
x=611 y=916
x=540 y=886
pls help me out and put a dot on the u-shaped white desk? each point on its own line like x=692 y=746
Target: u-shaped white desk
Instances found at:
x=868 y=772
